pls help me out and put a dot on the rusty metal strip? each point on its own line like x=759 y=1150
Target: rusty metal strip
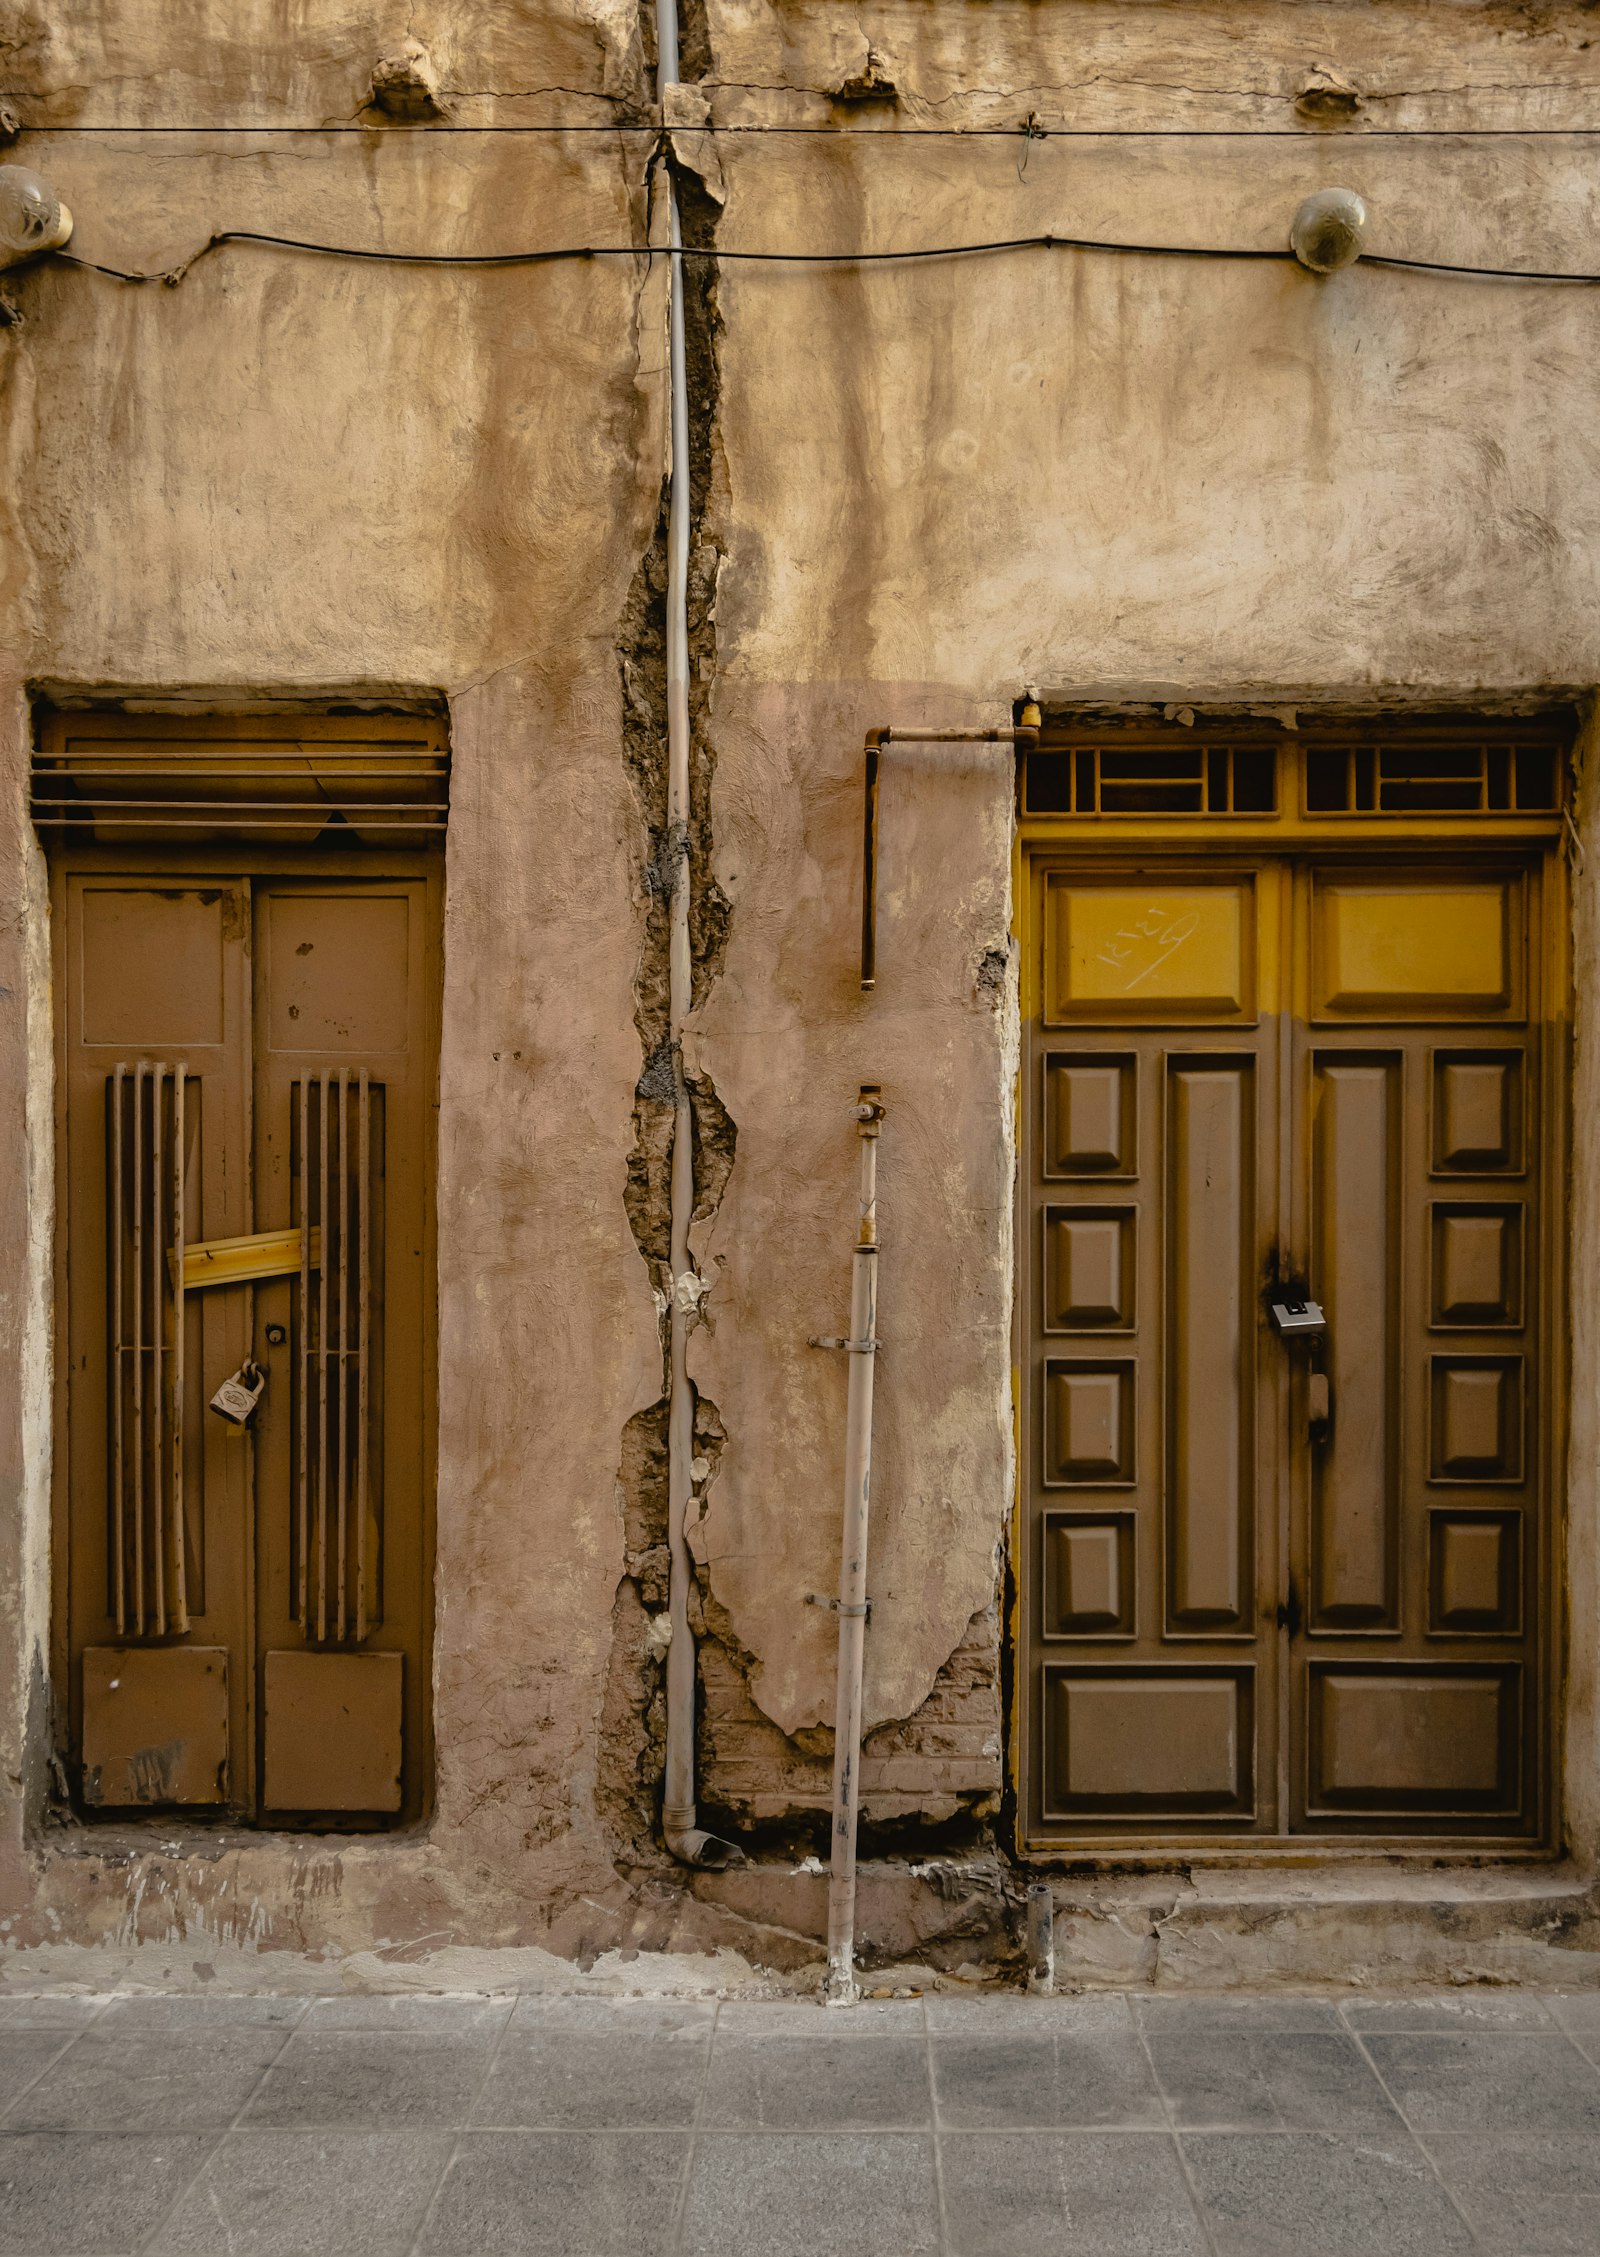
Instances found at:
x=303 y=1420
x=116 y=1204
x=242 y=1261
x=176 y=1406
x=342 y=1445
x=363 y=1344
x=137 y=1622
x=323 y=1189
x=155 y=1238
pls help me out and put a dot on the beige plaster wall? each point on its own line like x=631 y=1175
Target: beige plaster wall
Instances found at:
x=924 y=486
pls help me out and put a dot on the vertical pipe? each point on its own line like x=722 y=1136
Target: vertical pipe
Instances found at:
x=1041 y=1940
x=862 y=1347
x=683 y=1838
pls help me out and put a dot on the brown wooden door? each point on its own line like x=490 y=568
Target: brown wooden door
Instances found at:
x=248 y=1079
x=1277 y=1587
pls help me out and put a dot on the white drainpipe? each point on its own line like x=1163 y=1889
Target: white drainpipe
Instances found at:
x=683 y=1838
x=862 y=1347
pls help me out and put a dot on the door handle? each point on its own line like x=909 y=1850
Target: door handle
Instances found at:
x=1289 y=1611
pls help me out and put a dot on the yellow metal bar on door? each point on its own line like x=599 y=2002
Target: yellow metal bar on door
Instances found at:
x=239 y=1261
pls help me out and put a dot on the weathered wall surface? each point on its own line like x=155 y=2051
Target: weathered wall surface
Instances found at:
x=919 y=488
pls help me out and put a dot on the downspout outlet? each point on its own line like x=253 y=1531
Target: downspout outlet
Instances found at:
x=692 y=1845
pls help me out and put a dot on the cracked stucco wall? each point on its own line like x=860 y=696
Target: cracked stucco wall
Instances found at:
x=917 y=489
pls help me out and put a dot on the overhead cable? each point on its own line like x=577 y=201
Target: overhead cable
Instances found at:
x=567 y=253
x=896 y=135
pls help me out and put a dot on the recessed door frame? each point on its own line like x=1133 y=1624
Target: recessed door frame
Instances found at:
x=261 y=865
x=1284 y=839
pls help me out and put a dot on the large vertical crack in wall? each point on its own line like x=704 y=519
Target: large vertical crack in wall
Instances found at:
x=633 y=1719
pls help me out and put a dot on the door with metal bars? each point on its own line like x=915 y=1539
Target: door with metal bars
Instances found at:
x=248 y=1079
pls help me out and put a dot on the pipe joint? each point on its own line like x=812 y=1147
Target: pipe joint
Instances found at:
x=692 y=1845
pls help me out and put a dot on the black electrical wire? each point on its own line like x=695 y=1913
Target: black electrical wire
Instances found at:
x=896 y=135
x=176 y=274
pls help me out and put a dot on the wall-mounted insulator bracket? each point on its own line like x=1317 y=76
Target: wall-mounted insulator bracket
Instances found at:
x=862 y=1613
x=837 y=1340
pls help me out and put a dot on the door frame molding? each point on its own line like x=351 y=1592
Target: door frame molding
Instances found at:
x=68 y=859
x=1209 y=841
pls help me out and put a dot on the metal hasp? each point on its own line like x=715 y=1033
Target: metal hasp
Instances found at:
x=861 y=1347
x=1025 y=733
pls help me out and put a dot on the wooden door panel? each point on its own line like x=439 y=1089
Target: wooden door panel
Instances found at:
x=343 y=1076
x=247 y=1059
x=1243 y=1616
x=1356 y=1474
x=1152 y=1679
x=153 y=1033
x=1209 y=1358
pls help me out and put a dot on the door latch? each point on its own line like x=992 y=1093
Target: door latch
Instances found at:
x=1289 y=1611
x=236 y=1399
x=1299 y=1320
x=1319 y=1407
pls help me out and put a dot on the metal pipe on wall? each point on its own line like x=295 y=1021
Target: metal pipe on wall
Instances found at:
x=686 y=1841
x=862 y=1347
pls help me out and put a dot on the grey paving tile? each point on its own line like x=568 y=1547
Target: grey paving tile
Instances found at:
x=1176 y=2013
x=1538 y=2193
x=1489 y=2080
x=148 y=2080
x=596 y=2081
x=1577 y=2012
x=197 y=2010
x=49 y=2010
x=91 y=2194
x=24 y=2054
x=1002 y=2014
x=1321 y=2194
x=406 y=2010
x=807 y=2017
x=1071 y=2194
x=818 y=2083
x=538 y=2012
x=1450 y=2010
x=1292 y=2080
x=783 y=2194
x=288 y=2194
x=568 y=2194
x=372 y=2079
x=1078 y=2078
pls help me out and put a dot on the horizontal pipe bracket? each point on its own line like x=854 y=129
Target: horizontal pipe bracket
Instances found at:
x=838 y=1340
x=862 y=1613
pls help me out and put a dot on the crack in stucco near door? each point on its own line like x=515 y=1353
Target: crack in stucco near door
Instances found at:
x=632 y=1718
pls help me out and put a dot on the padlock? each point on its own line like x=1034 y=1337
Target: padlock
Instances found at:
x=236 y=1399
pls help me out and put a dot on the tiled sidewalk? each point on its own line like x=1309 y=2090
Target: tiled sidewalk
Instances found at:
x=1169 y=2126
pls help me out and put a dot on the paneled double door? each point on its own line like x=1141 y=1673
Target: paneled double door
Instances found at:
x=1280 y=1581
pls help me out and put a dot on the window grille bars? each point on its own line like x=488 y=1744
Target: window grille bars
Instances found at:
x=334 y=1324
x=145 y=1140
